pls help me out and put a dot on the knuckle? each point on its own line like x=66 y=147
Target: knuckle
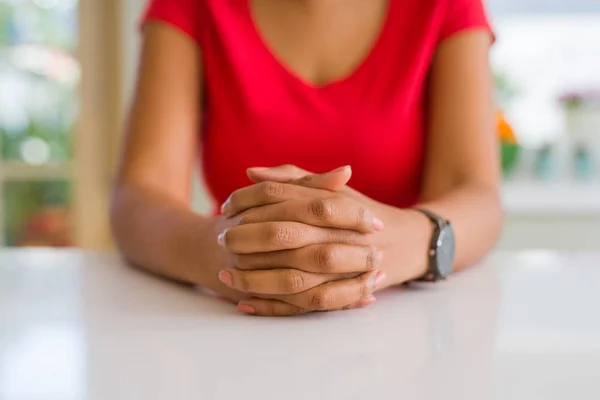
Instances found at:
x=361 y=215
x=271 y=190
x=243 y=282
x=284 y=235
x=322 y=300
x=371 y=257
x=322 y=209
x=326 y=258
x=293 y=281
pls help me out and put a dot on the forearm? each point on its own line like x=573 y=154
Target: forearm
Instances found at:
x=164 y=236
x=475 y=214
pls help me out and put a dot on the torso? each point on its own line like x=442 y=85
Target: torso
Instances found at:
x=284 y=85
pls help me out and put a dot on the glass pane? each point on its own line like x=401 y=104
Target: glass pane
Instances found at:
x=36 y=213
x=39 y=76
x=567 y=60
x=547 y=67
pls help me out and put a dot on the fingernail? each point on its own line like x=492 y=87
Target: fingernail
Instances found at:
x=221 y=238
x=340 y=169
x=245 y=308
x=377 y=224
x=226 y=278
x=367 y=301
x=258 y=169
x=225 y=205
x=379 y=257
x=379 y=278
x=373 y=280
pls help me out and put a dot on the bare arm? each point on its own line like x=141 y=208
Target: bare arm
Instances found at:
x=152 y=222
x=462 y=171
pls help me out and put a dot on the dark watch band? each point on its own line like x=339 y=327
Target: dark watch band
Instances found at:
x=433 y=273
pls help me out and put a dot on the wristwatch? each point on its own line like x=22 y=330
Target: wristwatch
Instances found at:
x=442 y=247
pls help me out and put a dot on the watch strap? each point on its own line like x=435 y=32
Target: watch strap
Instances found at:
x=433 y=273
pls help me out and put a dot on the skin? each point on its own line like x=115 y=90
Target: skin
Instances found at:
x=296 y=241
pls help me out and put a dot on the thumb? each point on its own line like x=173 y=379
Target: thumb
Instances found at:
x=282 y=174
x=334 y=180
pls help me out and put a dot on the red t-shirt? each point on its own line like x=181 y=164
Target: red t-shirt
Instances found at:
x=259 y=114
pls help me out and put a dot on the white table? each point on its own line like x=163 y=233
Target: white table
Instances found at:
x=83 y=326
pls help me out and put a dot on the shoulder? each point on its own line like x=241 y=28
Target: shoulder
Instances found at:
x=196 y=18
x=461 y=15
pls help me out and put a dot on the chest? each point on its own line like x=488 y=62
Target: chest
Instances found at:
x=320 y=42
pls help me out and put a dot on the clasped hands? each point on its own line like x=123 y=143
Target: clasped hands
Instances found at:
x=301 y=245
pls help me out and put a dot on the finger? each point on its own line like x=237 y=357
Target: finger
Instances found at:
x=333 y=212
x=274 y=236
x=318 y=258
x=276 y=308
x=269 y=308
x=273 y=281
x=266 y=193
x=300 y=177
x=334 y=180
x=281 y=173
x=335 y=295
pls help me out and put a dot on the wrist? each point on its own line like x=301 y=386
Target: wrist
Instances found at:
x=202 y=254
x=208 y=258
x=418 y=251
x=406 y=246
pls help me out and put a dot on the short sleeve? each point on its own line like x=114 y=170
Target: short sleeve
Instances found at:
x=464 y=15
x=184 y=15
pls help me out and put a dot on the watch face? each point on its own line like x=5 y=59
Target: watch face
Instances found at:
x=446 y=251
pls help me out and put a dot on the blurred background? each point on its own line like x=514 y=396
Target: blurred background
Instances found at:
x=67 y=68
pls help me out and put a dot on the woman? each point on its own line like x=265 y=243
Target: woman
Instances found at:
x=393 y=97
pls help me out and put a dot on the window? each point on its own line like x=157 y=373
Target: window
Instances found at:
x=39 y=75
x=58 y=119
x=546 y=49
x=547 y=64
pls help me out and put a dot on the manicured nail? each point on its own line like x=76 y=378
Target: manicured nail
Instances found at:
x=221 y=238
x=258 y=169
x=245 y=308
x=379 y=278
x=340 y=169
x=225 y=205
x=226 y=278
x=378 y=224
x=367 y=301
x=372 y=283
